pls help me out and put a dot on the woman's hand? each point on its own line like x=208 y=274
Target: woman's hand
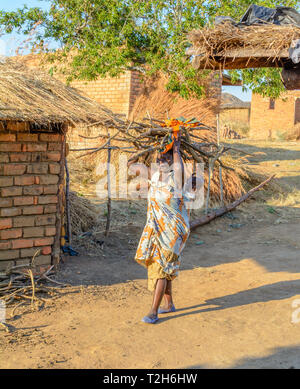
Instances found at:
x=177 y=139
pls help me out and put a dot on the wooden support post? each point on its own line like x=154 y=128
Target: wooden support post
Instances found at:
x=69 y=230
x=220 y=167
x=108 y=190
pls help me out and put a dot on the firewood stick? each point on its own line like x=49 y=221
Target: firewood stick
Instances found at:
x=227 y=208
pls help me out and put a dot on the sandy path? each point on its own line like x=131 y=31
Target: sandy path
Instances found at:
x=234 y=310
x=234 y=301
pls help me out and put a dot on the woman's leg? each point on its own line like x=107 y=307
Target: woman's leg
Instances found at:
x=168 y=296
x=159 y=292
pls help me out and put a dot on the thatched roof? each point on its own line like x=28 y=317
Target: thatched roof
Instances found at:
x=228 y=46
x=34 y=96
x=229 y=101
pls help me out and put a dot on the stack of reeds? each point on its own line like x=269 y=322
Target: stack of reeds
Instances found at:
x=220 y=40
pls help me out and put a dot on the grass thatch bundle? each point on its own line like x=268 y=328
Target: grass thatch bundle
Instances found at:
x=34 y=96
x=154 y=99
x=221 y=39
x=83 y=213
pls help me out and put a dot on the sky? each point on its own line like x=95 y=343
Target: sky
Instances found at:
x=8 y=43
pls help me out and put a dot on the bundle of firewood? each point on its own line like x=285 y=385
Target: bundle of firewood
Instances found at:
x=198 y=141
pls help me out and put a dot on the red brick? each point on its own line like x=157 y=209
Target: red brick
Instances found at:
x=10 y=254
x=8 y=212
x=33 y=210
x=46 y=250
x=21 y=243
x=11 y=191
x=24 y=221
x=20 y=157
x=27 y=137
x=10 y=147
x=33 y=232
x=49 y=179
x=42 y=260
x=48 y=199
x=13 y=169
x=53 y=156
x=24 y=180
x=23 y=200
x=33 y=147
x=51 y=189
x=54 y=168
x=4 y=158
x=45 y=220
x=5 y=265
x=5 y=223
x=50 y=209
x=50 y=137
x=29 y=252
x=5 y=202
x=6 y=181
x=54 y=146
x=36 y=157
x=43 y=241
x=50 y=231
x=6 y=245
x=11 y=234
x=40 y=168
x=7 y=137
x=33 y=190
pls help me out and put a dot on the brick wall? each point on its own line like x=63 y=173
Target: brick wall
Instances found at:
x=29 y=176
x=114 y=93
x=239 y=115
x=268 y=123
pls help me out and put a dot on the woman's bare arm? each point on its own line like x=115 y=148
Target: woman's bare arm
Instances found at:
x=177 y=160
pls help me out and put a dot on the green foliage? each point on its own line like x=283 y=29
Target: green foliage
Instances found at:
x=110 y=37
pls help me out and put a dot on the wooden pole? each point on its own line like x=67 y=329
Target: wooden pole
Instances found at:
x=69 y=230
x=108 y=190
x=220 y=167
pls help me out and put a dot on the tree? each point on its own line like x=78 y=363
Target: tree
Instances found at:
x=100 y=38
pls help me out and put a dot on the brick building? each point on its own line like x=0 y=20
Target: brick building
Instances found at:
x=272 y=117
x=234 y=110
x=35 y=113
x=130 y=96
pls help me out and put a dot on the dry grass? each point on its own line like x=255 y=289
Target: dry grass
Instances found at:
x=34 y=96
x=220 y=39
x=83 y=213
x=160 y=103
x=292 y=134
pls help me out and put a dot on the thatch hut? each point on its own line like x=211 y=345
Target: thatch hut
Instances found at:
x=35 y=114
x=228 y=46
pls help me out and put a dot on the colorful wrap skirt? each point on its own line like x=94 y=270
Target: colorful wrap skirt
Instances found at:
x=165 y=233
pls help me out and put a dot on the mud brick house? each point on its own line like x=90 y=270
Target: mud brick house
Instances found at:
x=234 y=110
x=35 y=114
x=131 y=96
x=271 y=117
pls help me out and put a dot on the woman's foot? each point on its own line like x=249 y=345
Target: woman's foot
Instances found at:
x=151 y=318
x=167 y=309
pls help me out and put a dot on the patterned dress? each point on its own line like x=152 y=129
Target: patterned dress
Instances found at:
x=166 y=231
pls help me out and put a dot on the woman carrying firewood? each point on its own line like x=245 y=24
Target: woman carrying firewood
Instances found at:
x=166 y=230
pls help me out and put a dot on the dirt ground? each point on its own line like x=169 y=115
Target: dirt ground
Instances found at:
x=236 y=295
